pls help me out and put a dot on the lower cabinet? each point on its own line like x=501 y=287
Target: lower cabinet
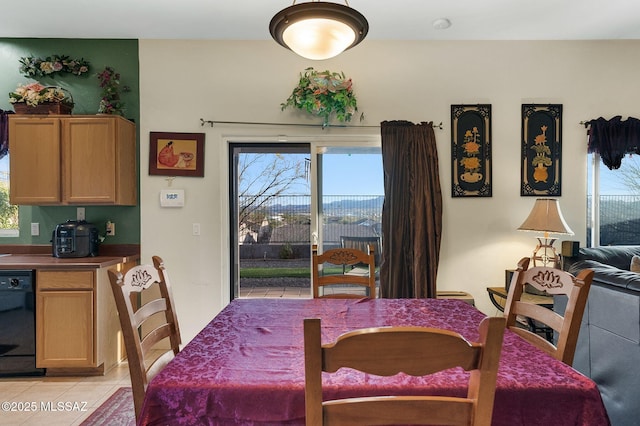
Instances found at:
x=77 y=329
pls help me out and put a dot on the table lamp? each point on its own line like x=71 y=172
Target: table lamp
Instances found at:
x=546 y=217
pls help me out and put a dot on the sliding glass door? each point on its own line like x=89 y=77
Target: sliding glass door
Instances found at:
x=350 y=196
x=283 y=199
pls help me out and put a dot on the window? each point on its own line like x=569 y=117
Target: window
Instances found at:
x=8 y=213
x=613 y=209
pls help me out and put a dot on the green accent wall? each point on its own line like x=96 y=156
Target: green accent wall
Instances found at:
x=122 y=55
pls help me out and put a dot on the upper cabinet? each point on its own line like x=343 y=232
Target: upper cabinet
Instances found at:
x=88 y=160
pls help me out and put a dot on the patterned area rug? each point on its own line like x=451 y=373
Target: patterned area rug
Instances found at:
x=115 y=411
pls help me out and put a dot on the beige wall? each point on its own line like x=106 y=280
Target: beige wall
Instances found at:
x=183 y=81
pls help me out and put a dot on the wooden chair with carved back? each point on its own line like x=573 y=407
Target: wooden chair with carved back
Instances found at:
x=343 y=285
x=555 y=282
x=417 y=351
x=148 y=320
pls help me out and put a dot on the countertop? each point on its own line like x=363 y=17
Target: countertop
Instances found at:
x=47 y=261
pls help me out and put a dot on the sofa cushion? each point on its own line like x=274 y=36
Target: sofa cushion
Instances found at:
x=635 y=264
x=607 y=274
x=617 y=256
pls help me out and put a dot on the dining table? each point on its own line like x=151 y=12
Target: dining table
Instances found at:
x=246 y=367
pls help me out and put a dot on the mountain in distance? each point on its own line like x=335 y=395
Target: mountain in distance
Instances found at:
x=344 y=205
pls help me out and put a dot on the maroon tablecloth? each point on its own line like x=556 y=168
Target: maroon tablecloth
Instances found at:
x=246 y=367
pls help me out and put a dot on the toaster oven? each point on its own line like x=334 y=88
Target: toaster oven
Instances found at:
x=75 y=239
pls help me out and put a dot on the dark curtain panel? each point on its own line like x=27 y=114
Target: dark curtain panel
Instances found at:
x=412 y=211
x=613 y=139
x=4 y=132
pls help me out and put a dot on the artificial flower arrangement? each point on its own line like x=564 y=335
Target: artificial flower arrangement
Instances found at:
x=110 y=84
x=34 y=94
x=39 y=67
x=324 y=94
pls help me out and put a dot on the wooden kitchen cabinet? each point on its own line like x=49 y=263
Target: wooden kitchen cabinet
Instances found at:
x=77 y=326
x=87 y=160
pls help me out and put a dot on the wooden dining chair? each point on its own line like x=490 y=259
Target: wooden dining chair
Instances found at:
x=555 y=282
x=347 y=285
x=417 y=351
x=148 y=320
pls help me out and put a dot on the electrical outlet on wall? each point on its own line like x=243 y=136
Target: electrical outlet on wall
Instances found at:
x=111 y=229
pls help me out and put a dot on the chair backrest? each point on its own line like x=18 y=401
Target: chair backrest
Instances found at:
x=147 y=317
x=417 y=351
x=340 y=284
x=362 y=244
x=554 y=282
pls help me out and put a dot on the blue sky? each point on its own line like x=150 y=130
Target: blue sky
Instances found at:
x=352 y=174
x=610 y=180
x=344 y=173
x=4 y=164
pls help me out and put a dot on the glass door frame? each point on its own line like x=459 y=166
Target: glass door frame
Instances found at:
x=234 y=244
x=316 y=143
x=317 y=190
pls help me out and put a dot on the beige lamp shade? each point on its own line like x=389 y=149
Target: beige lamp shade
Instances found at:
x=546 y=217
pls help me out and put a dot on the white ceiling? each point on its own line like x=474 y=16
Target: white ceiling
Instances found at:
x=388 y=19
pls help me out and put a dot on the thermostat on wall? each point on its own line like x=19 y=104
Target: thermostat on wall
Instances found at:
x=172 y=198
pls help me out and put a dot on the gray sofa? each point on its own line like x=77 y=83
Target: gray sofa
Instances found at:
x=608 y=347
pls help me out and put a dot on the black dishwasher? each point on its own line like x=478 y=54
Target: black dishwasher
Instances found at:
x=17 y=324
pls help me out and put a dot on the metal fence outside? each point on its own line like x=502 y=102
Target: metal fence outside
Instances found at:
x=287 y=219
x=619 y=220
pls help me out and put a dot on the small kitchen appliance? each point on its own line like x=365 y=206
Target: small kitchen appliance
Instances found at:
x=75 y=239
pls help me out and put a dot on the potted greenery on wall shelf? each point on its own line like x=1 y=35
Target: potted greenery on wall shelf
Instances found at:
x=324 y=94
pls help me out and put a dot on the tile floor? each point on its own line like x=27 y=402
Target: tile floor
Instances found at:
x=84 y=393
x=275 y=291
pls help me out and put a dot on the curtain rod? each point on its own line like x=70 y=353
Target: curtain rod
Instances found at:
x=212 y=122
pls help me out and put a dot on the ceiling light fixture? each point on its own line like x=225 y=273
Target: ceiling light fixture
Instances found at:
x=318 y=30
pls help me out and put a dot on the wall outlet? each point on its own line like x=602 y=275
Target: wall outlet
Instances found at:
x=111 y=229
x=35 y=229
x=80 y=213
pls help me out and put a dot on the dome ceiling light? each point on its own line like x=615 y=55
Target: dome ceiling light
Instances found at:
x=318 y=30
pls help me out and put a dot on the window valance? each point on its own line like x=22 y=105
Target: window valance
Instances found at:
x=613 y=139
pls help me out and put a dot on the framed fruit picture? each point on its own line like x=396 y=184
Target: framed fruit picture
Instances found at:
x=541 y=150
x=176 y=154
